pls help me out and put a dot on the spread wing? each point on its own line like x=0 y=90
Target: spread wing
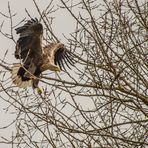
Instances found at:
x=29 y=49
x=63 y=57
x=58 y=56
x=30 y=38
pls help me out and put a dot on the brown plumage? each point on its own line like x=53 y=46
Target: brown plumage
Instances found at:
x=34 y=58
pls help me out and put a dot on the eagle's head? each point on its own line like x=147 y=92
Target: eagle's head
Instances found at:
x=38 y=28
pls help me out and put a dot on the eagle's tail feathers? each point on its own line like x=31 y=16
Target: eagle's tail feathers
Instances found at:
x=17 y=80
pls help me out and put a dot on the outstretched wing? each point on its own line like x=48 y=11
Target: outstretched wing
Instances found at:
x=30 y=38
x=58 y=57
x=29 y=49
x=63 y=57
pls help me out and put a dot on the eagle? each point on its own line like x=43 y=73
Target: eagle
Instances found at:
x=34 y=58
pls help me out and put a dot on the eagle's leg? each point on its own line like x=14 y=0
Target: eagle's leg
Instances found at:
x=35 y=82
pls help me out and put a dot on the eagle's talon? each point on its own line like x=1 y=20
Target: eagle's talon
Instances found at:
x=39 y=91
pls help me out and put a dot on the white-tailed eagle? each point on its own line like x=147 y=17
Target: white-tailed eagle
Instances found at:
x=34 y=58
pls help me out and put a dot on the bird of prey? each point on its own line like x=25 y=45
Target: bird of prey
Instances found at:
x=34 y=58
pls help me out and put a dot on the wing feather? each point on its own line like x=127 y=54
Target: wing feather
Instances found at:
x=63 y=57
x=62 y=63
x=69 y=59
x=59 y=61
x=30 y=36
x=29 y=49
x=65 y=60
